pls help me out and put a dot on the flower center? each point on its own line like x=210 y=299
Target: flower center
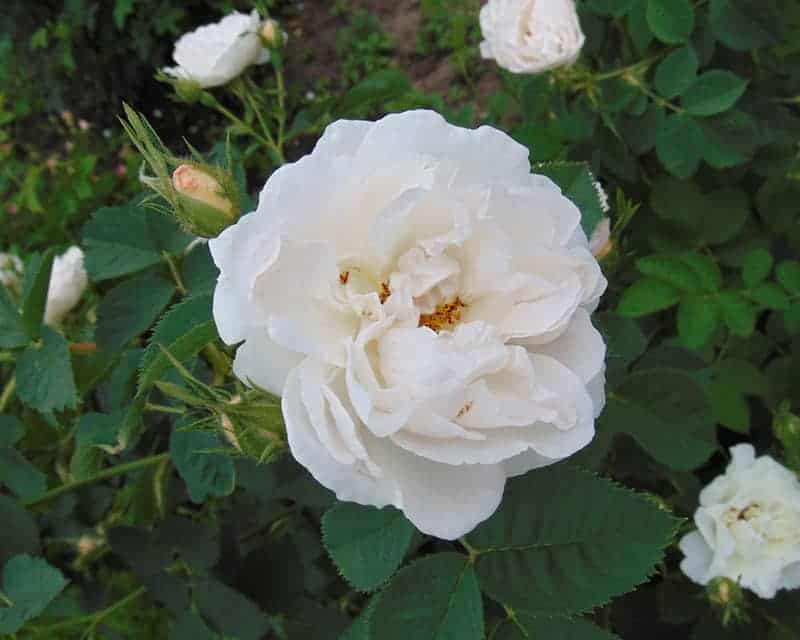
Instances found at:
x=445 y=316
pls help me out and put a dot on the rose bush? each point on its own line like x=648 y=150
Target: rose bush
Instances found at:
x=424 y=312
x=215 y=54
x=748 y=526
x=531 y=36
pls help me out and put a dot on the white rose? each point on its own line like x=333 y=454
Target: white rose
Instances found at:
x=531 y=36
x=68 y=281
x=748 y=526
x=11 y=272
x=421 y=302
x=215 y=54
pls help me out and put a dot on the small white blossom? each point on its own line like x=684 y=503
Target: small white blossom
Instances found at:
x=215 y=54
x=68 y=281
x=748 y=526
x=422 y=304
x=11 y=272
x=531 y=36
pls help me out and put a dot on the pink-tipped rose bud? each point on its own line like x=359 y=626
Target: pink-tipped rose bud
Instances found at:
x=204 y=206
x=271 y=33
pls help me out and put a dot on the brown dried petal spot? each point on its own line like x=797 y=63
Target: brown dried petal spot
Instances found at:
x=385 y=292
x=344 y=276
x=446 y=316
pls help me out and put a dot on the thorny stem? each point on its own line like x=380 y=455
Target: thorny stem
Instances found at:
x=111 y=472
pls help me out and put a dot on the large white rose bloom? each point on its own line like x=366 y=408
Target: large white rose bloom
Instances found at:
x=215 y=54
x=68 y=281
x=531 y=36
x=748 y=526
x=421 y=302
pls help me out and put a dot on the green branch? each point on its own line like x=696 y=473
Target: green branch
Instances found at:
x=111 y=472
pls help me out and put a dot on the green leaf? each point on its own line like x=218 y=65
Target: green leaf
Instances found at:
x=565 y=541
x=118 y=242
x=744 y=25
x=122 y=9
x=198 y=271
x=738 y=313
x=30 y=584
x=359 y=630
x=729 y=406
x=724 y=214
x=20 y=476
x=756 y=267
x=771 y=296
x=577 y=183
x=788 y=274
x=731 y=138
x=37 y=283
x=527 y=627
x=97 y=435
x=697 y=321
x=646 y=296
x=671 y=21
x=189 y=626
x=667 y=413
x=671 y=269
x=205 y=471
x=375 y=89
x=713 y=92
x=676 y=72
x=614 y=8
x=130 y=308
x=624 y=342
x=183 y=331
x=44 y=374
x=679 y=145
x=437 y=597
x=366 y=544
x=12 y=333
x=709 y=277
x=232 y=613
x=19 y=533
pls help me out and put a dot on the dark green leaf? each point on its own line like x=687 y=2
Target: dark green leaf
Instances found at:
x=667 y=413
x=29 y=584
x=183 y=331
x=564 y=541
x=738 y=313
x=20 y=476
x=437 y=597
x=12 y=333
x=672 y=21
x=745 y=24
x=37 y=283
x=671 y=269
x=366 y=544
x=679 y=145
x=205 y=471
x=232 y=613
x=387 y=84
x=713 y=92
x=118 y=241
x=771 y=296
x=130 y=308
x=756 y=267
x=44 y=374
x=676 y=72
x=788 y=274
x=19 y=533
x=97 y=435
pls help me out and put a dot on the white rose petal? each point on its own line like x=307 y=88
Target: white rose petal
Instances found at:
x=531 y=36
x=68 y=281
x=422 y=304
x=215 y=54
x=748 y=526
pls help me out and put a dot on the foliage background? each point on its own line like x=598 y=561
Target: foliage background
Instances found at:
x=687 y=112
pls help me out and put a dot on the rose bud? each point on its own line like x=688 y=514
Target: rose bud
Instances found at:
x=271 y=33
x=204 y=206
